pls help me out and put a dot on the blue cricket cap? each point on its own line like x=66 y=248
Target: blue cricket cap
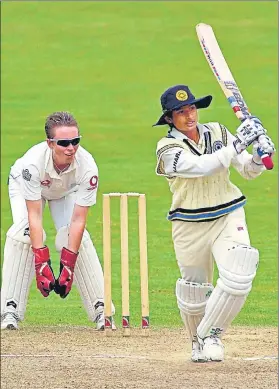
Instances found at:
x=176 y=97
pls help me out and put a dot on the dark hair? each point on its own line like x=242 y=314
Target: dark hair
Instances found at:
x=168 y=114
x=59 y=119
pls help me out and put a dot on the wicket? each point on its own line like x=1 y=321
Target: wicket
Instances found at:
x=125 y=261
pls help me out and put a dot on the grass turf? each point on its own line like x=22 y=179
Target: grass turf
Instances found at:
x=108 y=63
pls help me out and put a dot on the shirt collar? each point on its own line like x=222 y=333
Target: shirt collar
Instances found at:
x=49 y=167
x=178 y=135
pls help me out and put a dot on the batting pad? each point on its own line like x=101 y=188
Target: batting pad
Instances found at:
x=88 y=275
x=236 y=273
x=191 y=300
x=18 y=270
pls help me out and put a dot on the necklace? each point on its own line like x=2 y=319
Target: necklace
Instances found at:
x=58 y=170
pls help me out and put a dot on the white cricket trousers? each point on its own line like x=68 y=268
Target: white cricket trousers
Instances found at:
x=88 y=270
x=196 y=245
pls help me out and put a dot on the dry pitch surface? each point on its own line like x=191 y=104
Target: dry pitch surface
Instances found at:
x=82 y=358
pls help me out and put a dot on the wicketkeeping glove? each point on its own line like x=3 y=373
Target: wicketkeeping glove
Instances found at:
x=44 y=273
x=64 y=282
x=246 y=133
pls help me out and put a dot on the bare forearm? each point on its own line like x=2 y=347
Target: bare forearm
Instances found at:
x=34 y=209
x=36 y=233
x=75 y=235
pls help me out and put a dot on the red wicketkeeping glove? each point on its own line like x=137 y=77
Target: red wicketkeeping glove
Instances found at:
x=44 y=273
x=64 y=282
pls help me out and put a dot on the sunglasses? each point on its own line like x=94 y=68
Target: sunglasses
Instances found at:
x=67 y=142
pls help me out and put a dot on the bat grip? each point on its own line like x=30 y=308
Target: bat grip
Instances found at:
x=266 y=158
x=267 y=161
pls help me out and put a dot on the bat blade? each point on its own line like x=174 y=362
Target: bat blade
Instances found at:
x=222 y=72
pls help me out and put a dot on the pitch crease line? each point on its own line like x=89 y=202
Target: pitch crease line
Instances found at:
x=137 y=357
x=101 y=356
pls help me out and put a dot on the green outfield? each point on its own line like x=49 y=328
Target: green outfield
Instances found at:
x=108 y=63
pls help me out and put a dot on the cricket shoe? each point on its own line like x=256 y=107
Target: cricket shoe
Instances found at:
x=9 y=321
x=100 y=322
x=197 y=352
x=213 y=348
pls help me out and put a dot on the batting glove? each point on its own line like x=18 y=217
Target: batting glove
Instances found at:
x=64 y=282
x=246 y=133
x=256 y=120
x=263 y=146
x=44 y=273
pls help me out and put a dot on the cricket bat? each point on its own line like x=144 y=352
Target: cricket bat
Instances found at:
x=221 y=70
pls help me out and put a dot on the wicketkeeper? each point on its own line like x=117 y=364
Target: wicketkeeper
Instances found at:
x=207 y=214
x=65 y=175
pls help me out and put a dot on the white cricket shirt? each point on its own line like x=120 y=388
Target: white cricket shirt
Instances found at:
x=198 y=174
x=189 y=166
x=39 y=179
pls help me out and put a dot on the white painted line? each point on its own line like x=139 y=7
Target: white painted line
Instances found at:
x=137 y=357
x=101 y=356
x=259 y=358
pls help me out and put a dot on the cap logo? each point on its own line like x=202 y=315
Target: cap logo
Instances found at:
x=181 y=95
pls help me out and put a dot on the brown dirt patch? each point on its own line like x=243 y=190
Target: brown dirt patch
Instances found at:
x=82 y=358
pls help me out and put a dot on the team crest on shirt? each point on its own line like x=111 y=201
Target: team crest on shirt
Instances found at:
x=217 y=145
x=26 y=175
x=93 y=182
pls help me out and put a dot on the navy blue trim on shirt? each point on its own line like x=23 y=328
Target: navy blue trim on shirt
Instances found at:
x=208 y=147
x=207 y=213
x=192 y=148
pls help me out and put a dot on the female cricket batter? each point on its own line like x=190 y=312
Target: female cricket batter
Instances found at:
x=207 y=215
x=63 y=173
